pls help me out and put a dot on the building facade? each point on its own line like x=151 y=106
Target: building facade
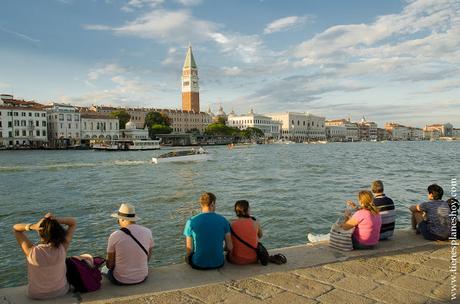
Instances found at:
x=300 y=127
x=444 y=130
x=98 y=126
x=367 y=130
x=22 y=123
x=352 y=128
x=336 y=132
x=270 y=127
x=190 y=85
x=64 y=127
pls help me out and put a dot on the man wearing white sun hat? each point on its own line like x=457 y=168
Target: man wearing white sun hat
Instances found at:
x=129 y=249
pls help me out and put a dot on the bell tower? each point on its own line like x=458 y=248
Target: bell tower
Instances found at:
x=190 y=87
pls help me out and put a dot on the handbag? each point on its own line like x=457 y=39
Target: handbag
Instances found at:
x=340 y=238
x=261 y=251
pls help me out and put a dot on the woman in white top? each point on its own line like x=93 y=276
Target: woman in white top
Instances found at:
x=46 y=266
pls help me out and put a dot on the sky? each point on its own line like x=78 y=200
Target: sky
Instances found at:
x=388 y=60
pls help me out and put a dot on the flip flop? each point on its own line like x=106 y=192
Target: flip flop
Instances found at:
x=277 y=259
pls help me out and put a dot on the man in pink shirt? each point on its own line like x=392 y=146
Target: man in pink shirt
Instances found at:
x=129 y=249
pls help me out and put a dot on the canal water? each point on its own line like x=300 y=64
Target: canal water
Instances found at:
x=292 y=190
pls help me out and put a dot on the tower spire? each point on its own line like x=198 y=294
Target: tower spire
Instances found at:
x=190 y=86
x=189 y=59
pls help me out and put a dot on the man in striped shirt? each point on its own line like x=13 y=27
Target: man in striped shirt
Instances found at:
x=386 y=207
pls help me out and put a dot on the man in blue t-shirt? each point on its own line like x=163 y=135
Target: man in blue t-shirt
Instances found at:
x=205 y=235
x=431 y=218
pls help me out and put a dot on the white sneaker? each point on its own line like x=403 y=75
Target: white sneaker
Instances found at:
x=312 y=238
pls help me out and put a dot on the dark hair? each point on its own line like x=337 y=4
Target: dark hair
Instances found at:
x=52 y=232
x=242 y=208
x=436 y=190
x=207 y=199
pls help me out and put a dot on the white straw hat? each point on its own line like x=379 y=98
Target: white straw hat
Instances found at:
x=126 y=212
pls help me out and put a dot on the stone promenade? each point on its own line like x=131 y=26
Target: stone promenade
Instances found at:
x=405 y=270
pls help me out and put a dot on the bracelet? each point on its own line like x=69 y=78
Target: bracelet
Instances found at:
x=28 y=227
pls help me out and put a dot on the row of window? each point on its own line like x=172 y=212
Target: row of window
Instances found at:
x=24 y=133
x=308 y=124
x=99 y=126
x=76 y=117
x=24 y=114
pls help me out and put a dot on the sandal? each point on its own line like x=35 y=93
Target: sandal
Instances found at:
x=277 y=259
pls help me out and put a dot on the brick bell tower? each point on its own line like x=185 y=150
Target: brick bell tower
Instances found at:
x=190 y=87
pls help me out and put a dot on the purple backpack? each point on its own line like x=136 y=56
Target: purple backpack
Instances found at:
x=83 y=276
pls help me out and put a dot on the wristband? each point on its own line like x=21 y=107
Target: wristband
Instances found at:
x=28 y=227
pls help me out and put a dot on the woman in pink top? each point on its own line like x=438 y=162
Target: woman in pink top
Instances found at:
x=46 y=266
x=248 y=229
x=366 y=220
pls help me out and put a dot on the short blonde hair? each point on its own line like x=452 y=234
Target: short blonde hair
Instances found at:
x=366 y=199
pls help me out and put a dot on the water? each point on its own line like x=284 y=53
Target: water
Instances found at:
x=292 y=189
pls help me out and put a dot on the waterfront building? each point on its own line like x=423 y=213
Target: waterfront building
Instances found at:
x=300 y=127
x=444 y=130
x=190 y=86
x=98 y=126
x=456 y=133
x=336 y=132
x=367 y=130
x=382 y=134
x=270 y=127
x=416 y=133
x=22 y=123
x=64 y=128
x=352 y=128
x=398 y=131
x=132 y=132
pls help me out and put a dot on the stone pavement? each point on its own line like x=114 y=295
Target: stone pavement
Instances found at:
x=408 y=276
x=407 y=269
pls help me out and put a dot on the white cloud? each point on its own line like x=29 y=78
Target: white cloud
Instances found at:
x=20 y=35
x=285 y=23
x=108 y=69
x=189 y=2
x=231 y=71
x=180 y=26
x=137 y=4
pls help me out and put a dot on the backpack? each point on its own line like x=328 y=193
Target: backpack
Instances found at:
x=83 y=276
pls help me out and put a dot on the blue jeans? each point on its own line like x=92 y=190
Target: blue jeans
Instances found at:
x=423 y=228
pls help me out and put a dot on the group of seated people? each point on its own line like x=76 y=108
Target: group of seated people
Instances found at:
x=130 y=248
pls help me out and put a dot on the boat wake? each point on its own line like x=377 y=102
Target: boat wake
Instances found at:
x=130 y=162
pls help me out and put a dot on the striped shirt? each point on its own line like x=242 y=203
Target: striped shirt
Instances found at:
x=386 y=207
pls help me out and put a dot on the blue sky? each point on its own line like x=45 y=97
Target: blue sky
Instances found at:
x=387 y=60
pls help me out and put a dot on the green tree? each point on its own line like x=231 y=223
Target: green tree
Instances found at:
x=221 y=120
x=218 y=129
x=252 y=133
x=159 y=129
x=123 y=117
x=157 y=118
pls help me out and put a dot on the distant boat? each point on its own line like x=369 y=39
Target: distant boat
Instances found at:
x=183 y=156
x=126 y=145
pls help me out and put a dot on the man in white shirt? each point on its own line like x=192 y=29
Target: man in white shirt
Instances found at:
x=129 y=249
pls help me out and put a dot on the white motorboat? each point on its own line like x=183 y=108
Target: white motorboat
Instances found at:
x=284 y=142
x=125 y=145
x=182 y=156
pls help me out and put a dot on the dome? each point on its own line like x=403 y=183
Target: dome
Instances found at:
x=130 y=125
x=221 y=112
